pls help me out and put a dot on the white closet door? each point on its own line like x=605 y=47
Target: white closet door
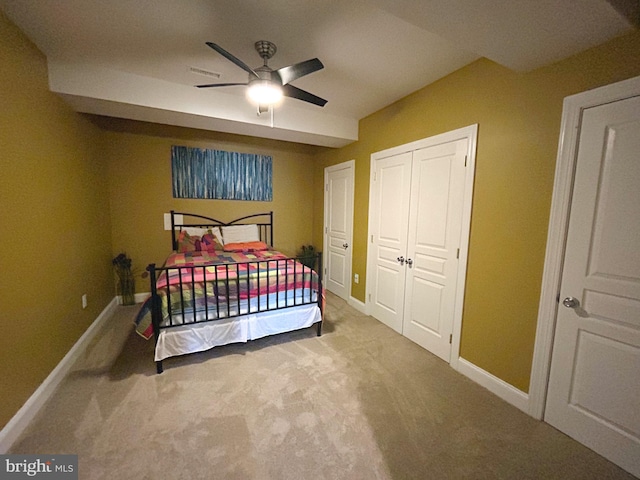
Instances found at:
x=419 y=216
x=390 y=215
x=435 y=218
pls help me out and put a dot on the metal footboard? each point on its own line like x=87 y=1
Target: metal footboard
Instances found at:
x=222 y=292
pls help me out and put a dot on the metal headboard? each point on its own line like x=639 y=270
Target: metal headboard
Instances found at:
x=264 y=221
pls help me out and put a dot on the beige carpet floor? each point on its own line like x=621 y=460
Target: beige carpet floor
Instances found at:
x=359 y=402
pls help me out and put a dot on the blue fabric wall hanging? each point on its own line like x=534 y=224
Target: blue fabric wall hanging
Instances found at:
x=216 y=174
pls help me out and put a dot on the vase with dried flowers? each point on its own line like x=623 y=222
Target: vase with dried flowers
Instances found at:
x=126 y=281
x=307 y=256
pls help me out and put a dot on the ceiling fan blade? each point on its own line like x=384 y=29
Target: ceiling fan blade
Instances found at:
x=232 y=58
x=292 y=72
x=295 y=92
x=209 y=85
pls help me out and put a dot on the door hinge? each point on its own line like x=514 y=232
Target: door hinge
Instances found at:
x=450 y=338
x=458 y=253
x=326 y=187
x=369 y=297
x=375 y=175
x=465 y=160
x=371 y=238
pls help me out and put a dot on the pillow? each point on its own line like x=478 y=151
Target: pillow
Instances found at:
x=245 y=247
x=200 y=231
x=210 y=242
x=187 y=243
x=240 y=233
x=192 y=243
x=197 y=231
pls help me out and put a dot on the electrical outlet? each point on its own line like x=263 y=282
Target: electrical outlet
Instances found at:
x=356 y=278
x=84 y=301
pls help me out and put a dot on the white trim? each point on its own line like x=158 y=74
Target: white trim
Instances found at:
x=351 y=166
x=446 y=137
x=471 y=134
x=573 y=107
x=465 y=233
x=358 y=305
x=502 y=389
x=32 y=406
x=141 y=297
x=138 y=297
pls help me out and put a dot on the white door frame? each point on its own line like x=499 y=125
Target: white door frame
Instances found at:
x=470 y=133
x=558 y=226
x=351 y=165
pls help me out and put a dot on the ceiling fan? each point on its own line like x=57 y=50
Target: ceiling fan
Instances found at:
x=267 y=86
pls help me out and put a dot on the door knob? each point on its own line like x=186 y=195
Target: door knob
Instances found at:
x=401 y=260
x=570 y=302
x=409 y=262
x=345 y=245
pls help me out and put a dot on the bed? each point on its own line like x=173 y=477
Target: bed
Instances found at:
x=224 y=283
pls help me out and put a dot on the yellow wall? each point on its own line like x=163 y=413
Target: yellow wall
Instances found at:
x=519 y=124
x=55 y=242
x=139 y=156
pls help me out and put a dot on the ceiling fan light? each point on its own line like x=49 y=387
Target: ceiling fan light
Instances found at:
x=264 y=92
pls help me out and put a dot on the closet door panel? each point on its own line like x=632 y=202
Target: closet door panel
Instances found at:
x=426 y=297
x=433 y=239
x=432 y=178
x=392 y=184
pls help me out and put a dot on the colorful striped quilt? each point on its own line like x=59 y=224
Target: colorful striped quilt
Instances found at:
x=206 y=285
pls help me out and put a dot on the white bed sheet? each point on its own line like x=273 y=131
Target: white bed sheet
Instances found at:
x=198 y=338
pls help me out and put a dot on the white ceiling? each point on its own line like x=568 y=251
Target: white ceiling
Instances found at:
x=131 y=58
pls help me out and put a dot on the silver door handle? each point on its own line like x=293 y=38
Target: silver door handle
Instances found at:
x=345 y=245
x=401 y=260
x=409 y=262
x=570 y=302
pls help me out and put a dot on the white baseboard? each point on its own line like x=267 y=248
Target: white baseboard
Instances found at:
x=358 y=305
x=502 y=389
x=138 y=297
x=28 y=411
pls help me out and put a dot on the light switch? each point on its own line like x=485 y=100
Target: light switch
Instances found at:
x=179 y=219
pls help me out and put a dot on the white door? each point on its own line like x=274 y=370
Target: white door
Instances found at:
x=391 y=186
x=338 y=226
x=435 y=218
x=594 y=384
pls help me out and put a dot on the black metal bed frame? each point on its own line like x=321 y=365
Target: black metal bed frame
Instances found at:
x=265 y=228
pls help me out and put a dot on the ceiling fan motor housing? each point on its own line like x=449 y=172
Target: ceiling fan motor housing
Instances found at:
x=265 y=73
x=265 y=49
